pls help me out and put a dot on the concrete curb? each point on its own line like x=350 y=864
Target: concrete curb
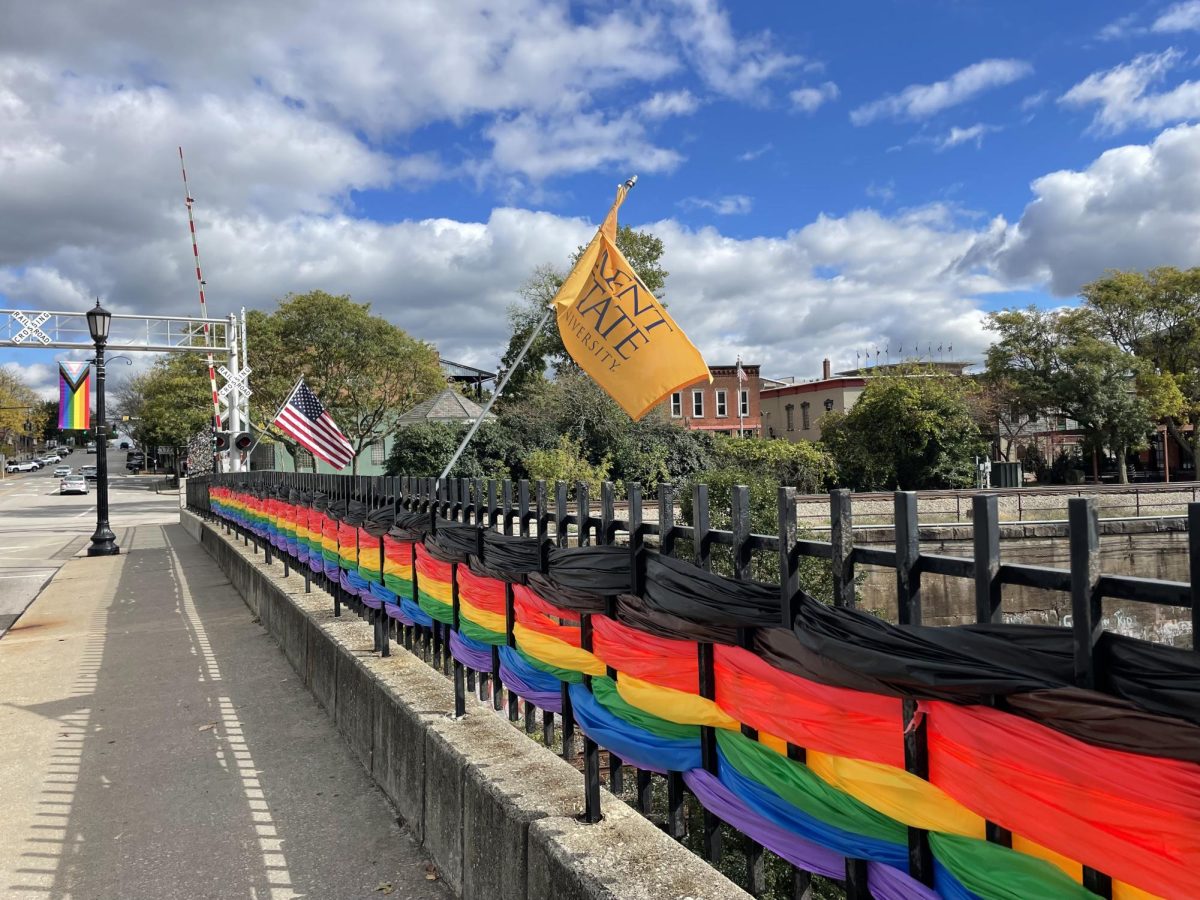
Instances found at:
x=495 y=811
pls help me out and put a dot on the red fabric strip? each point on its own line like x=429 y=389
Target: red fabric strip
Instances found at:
x=1136 y=818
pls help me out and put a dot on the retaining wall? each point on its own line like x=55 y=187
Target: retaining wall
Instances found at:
x=495 y=811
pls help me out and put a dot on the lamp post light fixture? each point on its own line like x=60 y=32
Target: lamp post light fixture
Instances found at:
x=103 y=540
x=829 y=405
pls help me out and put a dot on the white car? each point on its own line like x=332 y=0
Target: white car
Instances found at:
x=73 y=484
x=23 y=465
x=51 y=459
x=88 y=472
x=62 y=471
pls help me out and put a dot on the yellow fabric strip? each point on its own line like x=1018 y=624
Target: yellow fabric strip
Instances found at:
x=897 y=794
x=673 y=705
x=438 y=590
x=480 y=617
x=557 y=653
x=401 y=570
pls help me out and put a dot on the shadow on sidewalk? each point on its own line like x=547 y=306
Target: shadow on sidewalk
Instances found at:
x=191 y=762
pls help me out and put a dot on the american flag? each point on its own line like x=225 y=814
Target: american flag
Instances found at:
x=741 y=373
x=304 y=419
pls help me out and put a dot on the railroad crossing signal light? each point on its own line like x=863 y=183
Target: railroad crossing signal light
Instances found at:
x=221 y=441
x=242 y=441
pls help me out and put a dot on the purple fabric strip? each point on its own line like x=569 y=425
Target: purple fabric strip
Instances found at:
x=549 y=700
x=803 y=854
x=888 y=883
x=396 y=612
x=472 y=658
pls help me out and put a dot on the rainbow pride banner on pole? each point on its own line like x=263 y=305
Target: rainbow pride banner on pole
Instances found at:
x=74 y=395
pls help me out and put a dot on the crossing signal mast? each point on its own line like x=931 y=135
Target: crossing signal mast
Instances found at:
x=236 y=391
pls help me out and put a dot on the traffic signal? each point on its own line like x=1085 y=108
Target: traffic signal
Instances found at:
x=220 y=441
x=242 y=441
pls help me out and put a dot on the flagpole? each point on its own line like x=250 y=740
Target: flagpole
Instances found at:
x=291 y=394
x=537 y=329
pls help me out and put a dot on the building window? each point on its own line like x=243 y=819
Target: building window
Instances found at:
x=698 y=404
x=304 y=461
x=804 y=419
x=722 y=405
x=790 y=409
x=378 y=456
x=743 y=403
x=676 y=405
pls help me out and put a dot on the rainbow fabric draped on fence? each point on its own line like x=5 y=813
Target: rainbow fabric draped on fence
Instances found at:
x=74 y=396
x=633 y=676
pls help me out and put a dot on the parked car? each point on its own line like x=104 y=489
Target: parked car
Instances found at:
x=51 y=458
x=62 y=471
x=18 y=465
x=88 y=472
x=73 y=484
x=36 y=463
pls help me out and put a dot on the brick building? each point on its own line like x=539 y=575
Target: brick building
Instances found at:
x=723 y=406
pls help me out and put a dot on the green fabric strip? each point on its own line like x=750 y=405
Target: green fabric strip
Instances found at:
x=479 y=633
x=605 y=690
x=797 y=784
x=436 y=608
x=401 y=587
x=998 y=873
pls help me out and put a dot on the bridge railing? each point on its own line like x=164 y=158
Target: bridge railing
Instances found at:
x=756 y=619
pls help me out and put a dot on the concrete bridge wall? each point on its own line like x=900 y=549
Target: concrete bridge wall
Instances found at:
x=494 y=810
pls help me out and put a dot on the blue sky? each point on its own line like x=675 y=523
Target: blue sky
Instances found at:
x=828 y=178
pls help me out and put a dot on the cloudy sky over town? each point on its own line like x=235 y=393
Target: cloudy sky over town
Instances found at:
x=828 y=179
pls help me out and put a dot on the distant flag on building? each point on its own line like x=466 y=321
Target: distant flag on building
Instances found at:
x=741 y=373
x=304 y=419
x=618 y=332
x=74 y=395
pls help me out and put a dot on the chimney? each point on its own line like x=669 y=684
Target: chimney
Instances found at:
x=826 y=372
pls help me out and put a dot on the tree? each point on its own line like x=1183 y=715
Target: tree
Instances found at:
x=1156 y=316
x=913 y=430
x=365 y=370
x=641 y=248
x=1066 y=362
x=171 y=402
x=424 y=449
x=566 y=462
x=18 y=404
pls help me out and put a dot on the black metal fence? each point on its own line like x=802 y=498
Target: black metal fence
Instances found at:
x=561 y=516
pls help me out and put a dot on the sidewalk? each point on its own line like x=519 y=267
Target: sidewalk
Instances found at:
x=158 y=745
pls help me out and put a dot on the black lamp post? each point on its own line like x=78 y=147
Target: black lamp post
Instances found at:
x=103 y=540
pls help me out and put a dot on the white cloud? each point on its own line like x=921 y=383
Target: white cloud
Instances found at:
x=1180 y=17
x=956 y=136
x=756 y=152
x=729 y=205
x=920 y=101
x=1033 y=101
x=663 y=105
x=885 y=192
x=1119 y=29
x=540 y=147
x=1123 y=97
x=809 y=99
x=738 y=68
x=1134 y=207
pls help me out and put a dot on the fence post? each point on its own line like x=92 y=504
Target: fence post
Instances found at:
x=1193 y=514
x=985 y=512
x=908 y=557
x=667 y=538
x=637 y=577
x=591 y=750
x=704 y=657
x=841 y=536
x=605 y=536
x=1086 y=620
x=543 y=535
x=1086 y=609
x=560 y=540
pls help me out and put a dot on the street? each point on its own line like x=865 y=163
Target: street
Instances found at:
x=41 y=529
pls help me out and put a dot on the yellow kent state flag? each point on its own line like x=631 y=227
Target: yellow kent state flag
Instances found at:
x=618 y=332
